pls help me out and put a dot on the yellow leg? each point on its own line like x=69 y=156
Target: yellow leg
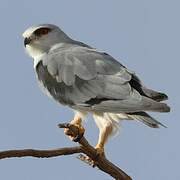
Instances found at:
x=105 y=129
x=104 y=133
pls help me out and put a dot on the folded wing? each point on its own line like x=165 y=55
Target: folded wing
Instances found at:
x=84 y=78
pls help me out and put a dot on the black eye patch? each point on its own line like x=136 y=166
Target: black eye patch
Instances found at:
x=42 y=31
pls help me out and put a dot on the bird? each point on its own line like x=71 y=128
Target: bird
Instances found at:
x=90 y=81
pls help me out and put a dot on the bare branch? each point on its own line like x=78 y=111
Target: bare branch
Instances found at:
x=40 y=153
x=100 y=161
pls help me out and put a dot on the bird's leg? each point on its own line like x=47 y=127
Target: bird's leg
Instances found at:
x=104 y=133
x=105 y=129
x=77 y=121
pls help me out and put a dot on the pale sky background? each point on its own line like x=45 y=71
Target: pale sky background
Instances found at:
x=143 y=34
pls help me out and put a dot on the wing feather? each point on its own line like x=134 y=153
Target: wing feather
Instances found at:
x=84 y=78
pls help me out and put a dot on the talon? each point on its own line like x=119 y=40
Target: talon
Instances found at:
x=80 y=134
x=63 y=125
x=99 y=150
x=76 y=137
x=68 y=132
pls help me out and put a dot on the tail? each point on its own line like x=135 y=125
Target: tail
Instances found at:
x=137 y=84
x=157 y=96
x=146 y=119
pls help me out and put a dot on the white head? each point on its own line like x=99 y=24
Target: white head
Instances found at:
x=39 y=39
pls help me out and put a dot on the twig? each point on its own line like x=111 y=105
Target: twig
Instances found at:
x=100 y=161
x=40 y=153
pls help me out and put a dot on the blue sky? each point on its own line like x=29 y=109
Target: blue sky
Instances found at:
x=141 y=34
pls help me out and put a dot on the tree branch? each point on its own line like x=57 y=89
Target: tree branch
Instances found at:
x=100 y=161
x=40 y=153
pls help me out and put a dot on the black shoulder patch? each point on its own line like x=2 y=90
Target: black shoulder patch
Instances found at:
x=56 y=89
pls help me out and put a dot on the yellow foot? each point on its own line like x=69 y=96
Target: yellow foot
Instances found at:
x=75 y=135
x=91 y=162
x=99 y=150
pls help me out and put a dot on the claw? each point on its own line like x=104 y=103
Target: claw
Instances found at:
x=100 y=150
x=64 y=125
x=78 y=137
x=74 y=131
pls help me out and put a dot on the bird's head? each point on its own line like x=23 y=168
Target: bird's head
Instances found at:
x=39 y=39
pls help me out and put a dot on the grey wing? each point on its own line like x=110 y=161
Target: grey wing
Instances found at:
x=89 y=80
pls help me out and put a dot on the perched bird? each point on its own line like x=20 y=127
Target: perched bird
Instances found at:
x=90 y=81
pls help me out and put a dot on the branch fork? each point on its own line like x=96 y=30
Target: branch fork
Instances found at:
x=84 y=147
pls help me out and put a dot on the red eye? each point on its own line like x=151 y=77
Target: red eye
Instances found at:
x=42 y=31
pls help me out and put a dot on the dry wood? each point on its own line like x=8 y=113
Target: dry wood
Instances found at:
x=84 y=147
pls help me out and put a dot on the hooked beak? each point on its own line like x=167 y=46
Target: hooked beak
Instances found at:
x=27 y=41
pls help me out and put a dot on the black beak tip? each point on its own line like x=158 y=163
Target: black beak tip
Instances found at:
x=27 y=41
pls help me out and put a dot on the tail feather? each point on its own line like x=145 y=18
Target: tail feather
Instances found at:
x=157 y=96
x=146 y=119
